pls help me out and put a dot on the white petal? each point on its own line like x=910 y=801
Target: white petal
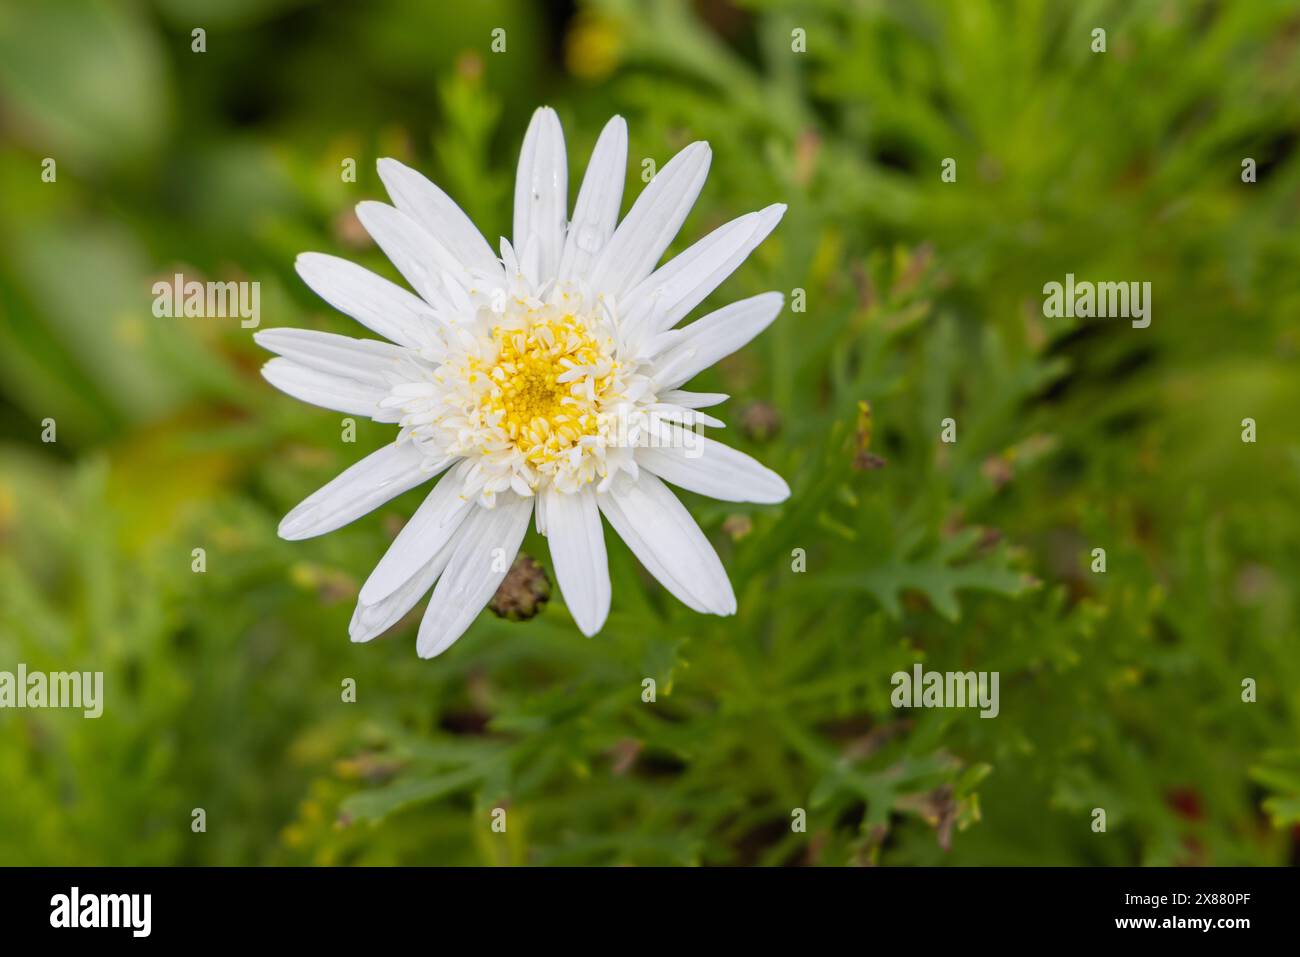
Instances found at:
x=530 y=261
x=420 y=258
x=699 y=464
x=661 y=294
x=438 y=213
x=369 y=621
x=487 y=545
x=662 y=412
x=431 y=527
x=542 y=191
x=577 y=541
x=667 y=295
x=644 y=553
x=652 y=222
x=693 y=400
x=716 y=336
x=595 y=214
x=367 y=360
x=376 y=303
x=329 y=391
x=358 y=490
x=664 y=537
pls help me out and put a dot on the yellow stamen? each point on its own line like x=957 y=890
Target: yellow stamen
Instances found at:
x=541 y=415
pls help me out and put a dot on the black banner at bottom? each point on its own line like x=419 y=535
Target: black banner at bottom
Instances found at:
x=215 y=906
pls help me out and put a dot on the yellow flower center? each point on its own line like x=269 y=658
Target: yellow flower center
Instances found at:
x=546 y=385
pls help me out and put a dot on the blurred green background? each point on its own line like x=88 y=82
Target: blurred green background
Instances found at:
x=1120 y=691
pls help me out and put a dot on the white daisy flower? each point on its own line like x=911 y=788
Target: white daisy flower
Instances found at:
x=545 y=382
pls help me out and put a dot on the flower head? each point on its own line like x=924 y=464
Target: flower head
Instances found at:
x=544 y=383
